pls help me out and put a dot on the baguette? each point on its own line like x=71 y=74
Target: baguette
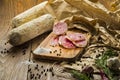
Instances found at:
x=30 y=30
x=29 y=14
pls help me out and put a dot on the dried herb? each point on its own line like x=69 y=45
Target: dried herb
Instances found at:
x=102 y=63
x=79 y=76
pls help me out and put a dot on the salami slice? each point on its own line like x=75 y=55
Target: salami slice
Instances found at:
x=63 y=41
x=60 y=28
x=54 y=41
x=81 y=43
x=75 y=36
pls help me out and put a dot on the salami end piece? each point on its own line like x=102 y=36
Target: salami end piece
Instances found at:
x=63 y=41
x=60 y=28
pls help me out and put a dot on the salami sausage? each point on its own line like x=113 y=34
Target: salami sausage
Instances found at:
x=63 y=41
x=29 y=14
x=31 y=30
x=60 y=28
x=75 y=36
x=78 y=39
x=82 y=43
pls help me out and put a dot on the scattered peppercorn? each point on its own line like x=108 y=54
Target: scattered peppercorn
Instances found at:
x=31 y=51
x=44 y=70
x=41 y=66
x=57 y=54
x=78 y=64
x=50 y=69
x=29 y=70
x=45 y=74
x=82 y=67
x=23 y=53
x=37 y=65
x=31 y=76
x=7 y=51
x=84 y=64
x=35 y=77
x=53 y=74
x=1 y=51
x=50 y=51
x=13 y=56
x=5 y=43
x=39 y=76
x=98 y=55
x=41 y=72
x=33 y=61
x=4 y=52
x=37 y=69
x=47 y=70
x=60 y=52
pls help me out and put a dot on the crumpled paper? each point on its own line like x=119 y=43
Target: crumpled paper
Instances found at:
x=88 y=13
x=100 y=18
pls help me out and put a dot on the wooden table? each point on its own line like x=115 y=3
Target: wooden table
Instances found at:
x=18 y=63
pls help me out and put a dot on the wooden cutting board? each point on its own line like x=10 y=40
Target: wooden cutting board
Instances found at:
x=58 y=52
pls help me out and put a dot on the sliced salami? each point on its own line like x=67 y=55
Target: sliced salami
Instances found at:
x=63 y=41
x=60 y=28
x=75 y=36
x=54 y=41
x=81 y=43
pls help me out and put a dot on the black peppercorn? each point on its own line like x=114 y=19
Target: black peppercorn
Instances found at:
x=45 y=74
x=53 y=74
x=41 y=72
x=1 y=51
x=41 y=66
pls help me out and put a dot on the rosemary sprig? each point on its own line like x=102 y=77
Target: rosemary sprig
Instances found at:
x=102 y=63
x=79 y=76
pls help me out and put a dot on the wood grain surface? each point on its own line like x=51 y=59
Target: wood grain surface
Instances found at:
x=18 y=63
